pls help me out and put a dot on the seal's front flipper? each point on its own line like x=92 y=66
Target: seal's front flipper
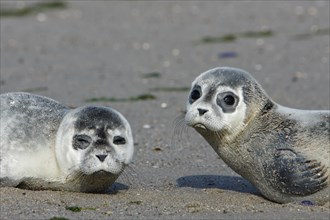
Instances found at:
x=296 y=175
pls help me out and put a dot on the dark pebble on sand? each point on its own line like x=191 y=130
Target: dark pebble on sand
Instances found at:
x=228 y=54
x=307 y=203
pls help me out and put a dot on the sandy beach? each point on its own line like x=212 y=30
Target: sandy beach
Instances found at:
x=140 y=58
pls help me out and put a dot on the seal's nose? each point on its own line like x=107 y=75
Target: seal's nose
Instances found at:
x=202 y=111
x=101 y=157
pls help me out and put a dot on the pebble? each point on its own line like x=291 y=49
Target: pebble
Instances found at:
x=228 y=54
x=175 y=52
x=307 y=203
x=41 y=17
x=163 y=105
x=260 y=41
x=146 y=126
x=145 y=46
x=312 y=11
x=258 y=66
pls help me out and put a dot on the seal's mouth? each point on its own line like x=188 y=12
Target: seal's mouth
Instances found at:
x=199 y=126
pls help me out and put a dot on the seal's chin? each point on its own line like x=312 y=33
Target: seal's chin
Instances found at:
x=102 y=173
x=96 y=174
x=96 y=182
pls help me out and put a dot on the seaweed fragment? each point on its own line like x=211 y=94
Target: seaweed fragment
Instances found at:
x=32 y=8
x=228 y=38
x=169 y=89
x=142 y=97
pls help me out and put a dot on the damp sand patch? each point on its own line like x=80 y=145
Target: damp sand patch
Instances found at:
x=151 y=75
x=170 y=89
x=312 y=33
x=32 y=8
x=142 y=97
x=35 y=89
x=228 y=38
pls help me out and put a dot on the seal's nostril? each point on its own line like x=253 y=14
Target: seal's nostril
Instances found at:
x=202 y=111
x=101 y=157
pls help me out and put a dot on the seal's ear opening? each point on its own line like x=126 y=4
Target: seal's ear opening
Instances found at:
x=268 y=106
x=256 y=98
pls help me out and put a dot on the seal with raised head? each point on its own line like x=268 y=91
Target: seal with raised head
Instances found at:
x=284 y=152
x=45 y=145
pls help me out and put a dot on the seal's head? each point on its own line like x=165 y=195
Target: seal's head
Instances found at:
x=94 y=141
x=223 y=99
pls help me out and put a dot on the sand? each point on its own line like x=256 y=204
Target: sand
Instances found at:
x=114 y=52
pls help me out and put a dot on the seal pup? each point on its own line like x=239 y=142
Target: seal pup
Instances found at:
x=46 y=145
x=284 y=152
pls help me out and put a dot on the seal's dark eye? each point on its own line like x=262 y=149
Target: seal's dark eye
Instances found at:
x=195 y=94
x=118 y=140
x=81 y=141
x=229 y=100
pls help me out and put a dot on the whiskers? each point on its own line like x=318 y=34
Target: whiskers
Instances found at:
x=218 y=135
x=130 y=176
x=180 y=131
x=73 y=181
x=74 y=177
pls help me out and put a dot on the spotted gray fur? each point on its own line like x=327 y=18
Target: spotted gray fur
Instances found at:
x=284 y=152
x=40 y=149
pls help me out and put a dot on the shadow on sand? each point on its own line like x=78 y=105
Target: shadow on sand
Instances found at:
x=233 y=183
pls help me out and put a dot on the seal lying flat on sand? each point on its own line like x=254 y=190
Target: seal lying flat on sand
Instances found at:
x=45 y=145
x=284 y=152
